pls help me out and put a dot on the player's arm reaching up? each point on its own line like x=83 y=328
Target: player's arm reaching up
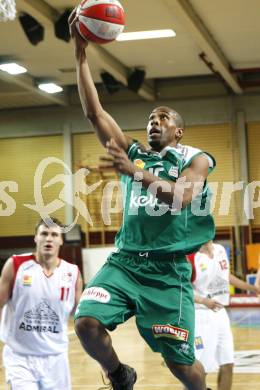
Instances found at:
x=104 y=125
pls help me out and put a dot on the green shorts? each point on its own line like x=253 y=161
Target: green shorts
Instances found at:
x=156 y=290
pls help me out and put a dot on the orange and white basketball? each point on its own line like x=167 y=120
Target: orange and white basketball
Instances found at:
x=100 y=21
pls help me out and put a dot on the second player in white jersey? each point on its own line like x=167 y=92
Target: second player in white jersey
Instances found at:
x=37 y=294
x=212 y=275
x=34 y=320
x=211 y=282
x=214 y=346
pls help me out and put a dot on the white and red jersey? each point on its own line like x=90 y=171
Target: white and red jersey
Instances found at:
x=211 y=275
x=34 y=320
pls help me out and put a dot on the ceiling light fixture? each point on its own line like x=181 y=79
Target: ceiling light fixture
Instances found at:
x=152 y=34
x=13 y=68
x=50 y=87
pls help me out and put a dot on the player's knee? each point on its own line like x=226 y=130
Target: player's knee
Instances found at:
x=183 y=371
x=87 y=327
x=179 y=370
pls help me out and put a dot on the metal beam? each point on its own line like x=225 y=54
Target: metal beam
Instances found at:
x=118 y=70
x=44 y=14
x=28 y=83
x=183 y=10
x=39 y=9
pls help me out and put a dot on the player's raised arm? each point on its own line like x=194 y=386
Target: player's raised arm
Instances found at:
x=104 y=125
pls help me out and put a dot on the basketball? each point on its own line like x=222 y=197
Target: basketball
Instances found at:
x=100 y=21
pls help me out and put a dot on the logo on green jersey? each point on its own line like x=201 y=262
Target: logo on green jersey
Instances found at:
x=139 y=163
x=173 y=171
x=137 y=200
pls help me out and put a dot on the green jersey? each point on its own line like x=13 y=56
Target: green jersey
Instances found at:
x=151 y=225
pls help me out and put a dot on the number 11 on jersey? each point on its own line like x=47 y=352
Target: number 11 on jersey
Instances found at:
x=64 y=293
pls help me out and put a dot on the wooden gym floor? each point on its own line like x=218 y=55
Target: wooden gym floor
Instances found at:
x=152 y=375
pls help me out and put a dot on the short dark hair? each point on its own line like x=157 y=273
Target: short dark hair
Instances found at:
x=178 y=118
x=48 y=222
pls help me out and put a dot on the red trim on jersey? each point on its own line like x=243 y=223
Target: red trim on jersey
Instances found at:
x=18 y=260
x=191 y=259
x=48 y=276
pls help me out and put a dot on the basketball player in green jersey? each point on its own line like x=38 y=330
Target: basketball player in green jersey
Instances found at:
x=149 y=276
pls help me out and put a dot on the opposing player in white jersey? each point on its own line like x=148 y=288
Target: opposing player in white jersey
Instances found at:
x=38 y=291
x=213 y=337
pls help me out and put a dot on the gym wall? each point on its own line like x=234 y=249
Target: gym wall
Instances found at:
x=19 y=159
x=253 y=137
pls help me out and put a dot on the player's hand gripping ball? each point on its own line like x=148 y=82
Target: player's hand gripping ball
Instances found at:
x=100 y=21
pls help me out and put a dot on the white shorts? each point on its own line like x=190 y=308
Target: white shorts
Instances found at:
x=36 y=372
x=214 y=345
